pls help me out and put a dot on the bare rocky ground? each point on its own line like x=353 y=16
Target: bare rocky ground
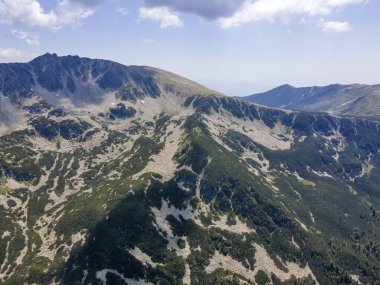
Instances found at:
x=162 y=163
x=187 y=187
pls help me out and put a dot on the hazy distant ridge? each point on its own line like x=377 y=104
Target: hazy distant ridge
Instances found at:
x=354 y=99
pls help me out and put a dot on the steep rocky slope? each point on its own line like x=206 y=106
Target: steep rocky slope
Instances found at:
x=143 y=177
x=355 y=99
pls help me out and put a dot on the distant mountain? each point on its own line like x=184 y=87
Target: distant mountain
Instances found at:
x=113 y=174
x=356 y=99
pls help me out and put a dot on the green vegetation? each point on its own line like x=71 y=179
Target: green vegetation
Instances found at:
x=262 y=278
x=92 y=180
x=308 y=183
x=3 y=188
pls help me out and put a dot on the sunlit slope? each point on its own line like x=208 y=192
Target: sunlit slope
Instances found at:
x=145 y=183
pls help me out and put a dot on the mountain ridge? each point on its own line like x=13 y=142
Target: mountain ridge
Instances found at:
x=56 y=79
x=344 y=99
x=171 y=185
x=49 y=62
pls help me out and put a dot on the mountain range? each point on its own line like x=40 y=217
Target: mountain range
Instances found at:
x=113 y=174
x=354 y=99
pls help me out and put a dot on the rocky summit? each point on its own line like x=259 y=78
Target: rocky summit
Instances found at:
x=113 y=174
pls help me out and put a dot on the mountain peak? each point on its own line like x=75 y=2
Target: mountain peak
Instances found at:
x=286 y=86
x=46 y=57
x=84 y=80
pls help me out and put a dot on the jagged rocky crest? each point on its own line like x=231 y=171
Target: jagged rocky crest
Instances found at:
x=133 y=175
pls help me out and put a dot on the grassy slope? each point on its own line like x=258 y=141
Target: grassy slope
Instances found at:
x=334 y=247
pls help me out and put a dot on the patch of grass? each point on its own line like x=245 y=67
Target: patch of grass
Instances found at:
x=308 y=183
x=262 y=278
x=352 y=190
x=4 y=189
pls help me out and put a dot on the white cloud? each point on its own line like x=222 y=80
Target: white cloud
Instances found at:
x=31 y=13
x=71 y=13
x=269 y=10
x=334 y=26
x=30 y=39
x=163 y=15
x=27 y=11
x=8 y=53
x=90 y=3
x=208 y=9
x=146 y=40
x=227 y=13
x=122 y=11
x=12 y=54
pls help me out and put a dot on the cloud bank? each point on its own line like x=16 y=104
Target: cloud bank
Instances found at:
x=30 y=39
x=31 y=13
x=12 y=54
x=165 y=16
x=208 y=9
x=226 y=13
x=235 y=13
x=334 y=26
x=269 y=10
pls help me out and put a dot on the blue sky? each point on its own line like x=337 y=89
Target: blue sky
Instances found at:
x=235 y=46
